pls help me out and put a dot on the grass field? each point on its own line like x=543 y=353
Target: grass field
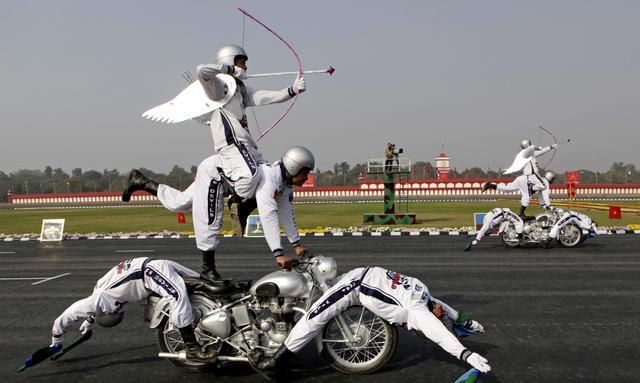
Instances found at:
x=308 y=217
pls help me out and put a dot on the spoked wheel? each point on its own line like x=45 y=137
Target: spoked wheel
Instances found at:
x=570 y=235
x=169 y=340
x=373 y=344
x=509 y=236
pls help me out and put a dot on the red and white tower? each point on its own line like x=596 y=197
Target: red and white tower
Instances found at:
x=442 y=165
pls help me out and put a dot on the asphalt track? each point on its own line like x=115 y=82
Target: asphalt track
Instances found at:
x=551 y=315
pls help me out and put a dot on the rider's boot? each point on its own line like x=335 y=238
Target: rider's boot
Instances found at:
x=523 y=215
x=280 y=356
x=192 y=347
x=137 y=181
x=209 y=271
x=489 y=185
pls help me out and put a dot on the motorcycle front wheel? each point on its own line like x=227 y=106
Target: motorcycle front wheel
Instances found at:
x=509 y=236
x=570 y=236
x=374 y=343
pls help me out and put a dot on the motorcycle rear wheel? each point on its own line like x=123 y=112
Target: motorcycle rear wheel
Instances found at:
x=376 y=342
x=169 y=340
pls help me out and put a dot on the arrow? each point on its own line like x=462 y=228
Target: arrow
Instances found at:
x=329 y=70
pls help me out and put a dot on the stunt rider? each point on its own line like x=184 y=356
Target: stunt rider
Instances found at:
x=274 y=199
x=239 y=159
x=134 y=280
x=530 y=180
x=494 y=218
x=567 y=217
x=394 y=297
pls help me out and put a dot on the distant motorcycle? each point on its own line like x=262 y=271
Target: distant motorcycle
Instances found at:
x=242 y=322
x=537 y=231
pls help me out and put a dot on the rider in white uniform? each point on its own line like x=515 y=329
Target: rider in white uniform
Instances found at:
x=494 y=218
x=232 y=139
x=567 y=217
x=274 y=197
x=396 y=298
x=133 y=280
x=529 y=182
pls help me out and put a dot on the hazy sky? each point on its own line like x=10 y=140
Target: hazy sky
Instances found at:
x=478 y=75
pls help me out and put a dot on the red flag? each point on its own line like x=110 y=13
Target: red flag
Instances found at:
x=181 y=218
x=572 y=177
x=615 y=212
x=310 y=182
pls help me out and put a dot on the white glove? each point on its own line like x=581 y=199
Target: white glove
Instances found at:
x=299 y=85
x=240 y=73
x=56 y=341
x=554 y=146
x=86 y=326
x=475 y=326
x=478 y=362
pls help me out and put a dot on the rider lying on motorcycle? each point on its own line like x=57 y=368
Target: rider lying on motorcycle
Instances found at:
x=494 y=218
x=567 y=217
x=130 y=281
x=394 y=297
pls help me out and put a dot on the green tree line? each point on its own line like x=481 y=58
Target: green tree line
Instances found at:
x=57 y=180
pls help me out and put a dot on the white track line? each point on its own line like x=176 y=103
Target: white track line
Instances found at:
x=135 y=251
x=48 y=279
x=7 y=252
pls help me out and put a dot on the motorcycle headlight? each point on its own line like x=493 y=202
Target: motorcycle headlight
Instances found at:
x=327 y=266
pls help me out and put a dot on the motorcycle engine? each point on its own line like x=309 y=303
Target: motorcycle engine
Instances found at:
x=207 y=314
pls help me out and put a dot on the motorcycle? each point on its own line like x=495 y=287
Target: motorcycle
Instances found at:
x=245 y=322
x=537 y=231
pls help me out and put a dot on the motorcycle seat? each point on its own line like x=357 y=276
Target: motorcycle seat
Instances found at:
x=217 y=288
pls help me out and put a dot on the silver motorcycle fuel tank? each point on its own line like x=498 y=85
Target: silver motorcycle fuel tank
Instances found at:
x=290 y=283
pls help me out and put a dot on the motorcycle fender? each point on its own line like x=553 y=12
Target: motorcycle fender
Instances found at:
x=157 y=308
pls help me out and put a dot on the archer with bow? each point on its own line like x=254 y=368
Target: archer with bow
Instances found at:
x=237 y=156
x=530 y=181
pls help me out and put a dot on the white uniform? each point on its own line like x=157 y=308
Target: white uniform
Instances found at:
x=532 y=172
x=232 y=139
x=581 y=220
x=496 y=216
x=133 y=280
x=527 y=185
x=275 y=206
x=206 y=197
x=394 y=297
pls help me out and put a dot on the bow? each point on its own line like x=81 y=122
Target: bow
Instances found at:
x=295 y=98
x=554 y=150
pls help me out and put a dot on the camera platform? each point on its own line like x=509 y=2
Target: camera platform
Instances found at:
x=390 y=169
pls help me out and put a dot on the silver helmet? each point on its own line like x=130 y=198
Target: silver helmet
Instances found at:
x=110 y=320
x=525 y=143
x=296 y=159
x=228 y=53
x=550 y=176
x=327 y=266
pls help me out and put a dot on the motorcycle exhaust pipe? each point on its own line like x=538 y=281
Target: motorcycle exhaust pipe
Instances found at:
x=233 y=358
x=182 y=355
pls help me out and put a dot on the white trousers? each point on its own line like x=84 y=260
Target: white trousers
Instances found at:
x=518 y=184
x=131 y=283
x=205 y=197
x=490 y=221
x=346 y=293
x=240 y=166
